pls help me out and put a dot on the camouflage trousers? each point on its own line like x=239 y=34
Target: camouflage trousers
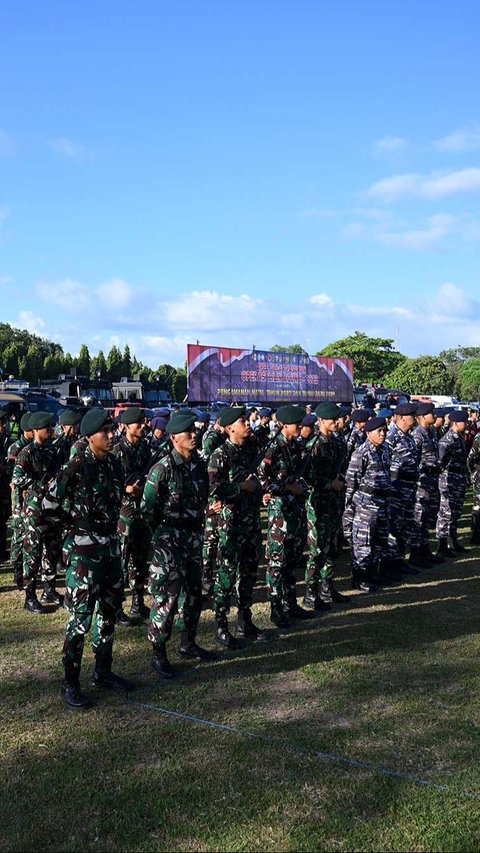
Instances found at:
x=425 y=512
x=475 y=517
x=402 y=505
x=284 y=546
x=175 y=582
x=210 y=548
x=452 y=497
x=366 y=526
x=322 y=534
x=93 y=594
x=41 y=547
x=16 y=542
x=135 y=536
x=238 y=557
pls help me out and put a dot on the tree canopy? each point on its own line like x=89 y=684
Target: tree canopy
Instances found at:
x=426 y=374
x=373 y=358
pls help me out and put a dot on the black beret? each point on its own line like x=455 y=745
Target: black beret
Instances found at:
x=384 y=413
x=132 y=415
x=25 y=422
x=345 y=410
x=425 y=408
x=309 y=420
x=159 y=423
x=181 y=422
x=458 y=417
x=406 y=409
x=439 y=412
x=328 y=411
x=290 y=414
x=359 y=416
x=265 y=413
x=94 y=420
x=375 y=423
x=40 y=420
x=231 y=414
x=70 y=418
x=203 y=417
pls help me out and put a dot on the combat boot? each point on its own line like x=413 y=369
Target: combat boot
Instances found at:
x=138 y=608
x=32 y=603
x=160 y=663
x=435 y=559
x=416 y=558
x=122 y=619
x=246 y=630
x=362 y=582
x=223 y=635
x=313 y=601
x=103 y=676
x=190 y=649
x=475 y=537
x=443 y=548
x=70 y=689
x=458 y=547
x=277 y=614
x=332 y=595
x=50 y=594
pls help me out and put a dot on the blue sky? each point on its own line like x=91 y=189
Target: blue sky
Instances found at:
x=240 y=172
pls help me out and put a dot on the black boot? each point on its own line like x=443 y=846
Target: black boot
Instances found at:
x=223 y=635
x=418 y=559
x=139 y=609
x=103 y=676
x=246 y=630
x=443 y=549
x=313 y=601
x=335 y=596
x=435 y=559
x=190 y=649
x=50 y=594
x=122 y=619
x=325 y=592
x=361 y=581
x=458 y=547
x=277 y=614
x=32 y=603
x=70 y=689
x=160 y=663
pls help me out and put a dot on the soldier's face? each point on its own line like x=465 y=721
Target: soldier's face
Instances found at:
x=240 y=430
x=460 y=426
x=136 y=430
x=377 y=436
x=306 y=432
x=71 y=430
x=328 y=424
x=341 y=423
x=291 y=431
x=44 y=434
x=185 y=442
x=405 y=422
x=102 y=441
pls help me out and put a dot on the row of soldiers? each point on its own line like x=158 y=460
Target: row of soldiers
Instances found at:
x=116 y=509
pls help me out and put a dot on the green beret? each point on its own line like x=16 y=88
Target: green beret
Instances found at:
x=40 y=420
x=25 y=422
x=181 y=422
x=132 y=415
x=290 y=414
x=94 y=420
x=231 y=414
x=328 y=411
x=70 y=418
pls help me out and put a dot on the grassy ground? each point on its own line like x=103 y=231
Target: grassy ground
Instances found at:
x=391 y=681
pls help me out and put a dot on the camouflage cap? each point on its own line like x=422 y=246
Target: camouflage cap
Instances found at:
x=231 y=414
x=328 y=411
x=25 y=422
x=40 y=420
x=95 y=420
x=181 y=422
x=290 y=414
x=70 y=418
x=132 y=415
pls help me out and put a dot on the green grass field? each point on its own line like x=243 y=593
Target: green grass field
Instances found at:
x=391 y=681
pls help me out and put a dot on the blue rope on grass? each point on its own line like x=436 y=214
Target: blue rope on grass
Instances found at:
x=325 y=756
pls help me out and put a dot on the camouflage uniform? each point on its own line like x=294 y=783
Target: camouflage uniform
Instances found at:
x=133 y=529
x=452 y=483
x=427 y=495
x=17 y=521
x=238 y=529
x=5 y=501
x=284 y=538
x=174 y=500
x=404 y=476
x=89 y=490
x=34 y=468
x=322 y=507
x=366 y=516
x=473 y=464
x=212 y=439
x=354 y=441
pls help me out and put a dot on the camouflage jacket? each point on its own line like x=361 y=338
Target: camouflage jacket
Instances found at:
x=326 y=459
x=12 y=453
x=33 y=469
x=228 y=466
x=89 y=491
x=473 y=461
x=452 y=452
x=355 y=440
x=427 y=449
x=175 y=494
x=279 y=466
x=134 y=459
x=404 y=456
x=369 y=473
x=212 y=439
x=79 y=447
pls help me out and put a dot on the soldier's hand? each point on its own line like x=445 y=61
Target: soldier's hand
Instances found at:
x=216 y=506
x=249 y=486
x=338 y=486
x=133 y=490
x=266 y=498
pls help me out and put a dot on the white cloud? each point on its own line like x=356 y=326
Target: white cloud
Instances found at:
x=426 y=186
x=436 y=233
x=460 y=140
x=27 y=320
x=212 y=311
x=389 y=146
x=67 y=294
x=438 y=227
x=66 y=148
x=7 y=144
x=321 y=299
x=116 y=293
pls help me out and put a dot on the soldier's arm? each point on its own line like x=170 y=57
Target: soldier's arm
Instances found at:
x=474 y=456
x=269 y=474
x=444 y=452
x=154 y=490
x=22 y=477
x=353 y=475
x=220 y=486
